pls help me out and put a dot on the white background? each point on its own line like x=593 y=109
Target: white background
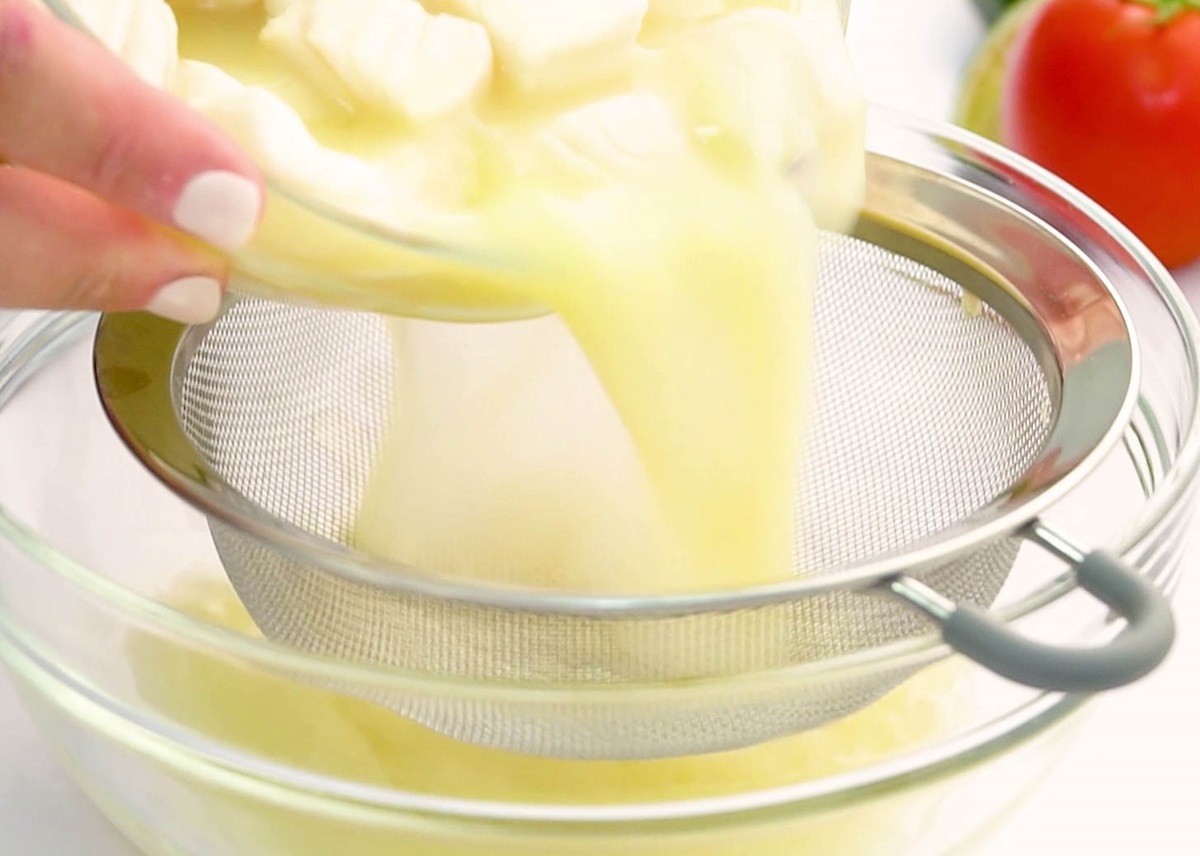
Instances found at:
x=1128 y=786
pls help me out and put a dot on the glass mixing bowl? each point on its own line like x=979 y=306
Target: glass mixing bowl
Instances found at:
x=198 y=737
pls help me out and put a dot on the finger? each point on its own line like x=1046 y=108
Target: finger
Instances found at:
x=61 y=247
x=72 y=109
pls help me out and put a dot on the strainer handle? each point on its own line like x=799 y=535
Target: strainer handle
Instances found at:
x=1134 y=653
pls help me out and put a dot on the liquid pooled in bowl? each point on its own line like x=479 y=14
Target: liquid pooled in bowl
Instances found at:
x=658 y=170
x=355 y=741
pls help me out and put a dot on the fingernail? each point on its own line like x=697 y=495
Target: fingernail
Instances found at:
x=219 y=207
x=188 y=300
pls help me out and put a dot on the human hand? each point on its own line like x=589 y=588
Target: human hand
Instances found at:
x=113 y=195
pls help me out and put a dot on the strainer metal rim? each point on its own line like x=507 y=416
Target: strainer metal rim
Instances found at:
x=27 y=335
x=172 y=458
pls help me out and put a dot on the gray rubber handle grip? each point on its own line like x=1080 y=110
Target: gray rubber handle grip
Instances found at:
x=1135 y=652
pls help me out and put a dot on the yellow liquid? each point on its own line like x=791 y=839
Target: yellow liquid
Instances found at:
x=314 y=730
x=688 y=289
x=703 y=377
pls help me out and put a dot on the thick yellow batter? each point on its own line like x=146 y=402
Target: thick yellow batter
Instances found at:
x=650 y=201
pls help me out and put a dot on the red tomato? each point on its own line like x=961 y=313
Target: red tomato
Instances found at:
x=1106 y=93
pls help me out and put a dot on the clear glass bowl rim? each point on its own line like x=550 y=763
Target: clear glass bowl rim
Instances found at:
x=946 y=759
x=1002 y=734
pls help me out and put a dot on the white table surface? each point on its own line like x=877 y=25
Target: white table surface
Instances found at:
x=1128 y=786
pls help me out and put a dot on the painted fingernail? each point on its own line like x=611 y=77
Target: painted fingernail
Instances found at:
x=188 y=300
x=219 y=207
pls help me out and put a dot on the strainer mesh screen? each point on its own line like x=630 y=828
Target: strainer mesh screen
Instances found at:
x=290 y=406
x=923 y=413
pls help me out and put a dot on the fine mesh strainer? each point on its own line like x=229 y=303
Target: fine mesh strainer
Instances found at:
x=971 y=366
